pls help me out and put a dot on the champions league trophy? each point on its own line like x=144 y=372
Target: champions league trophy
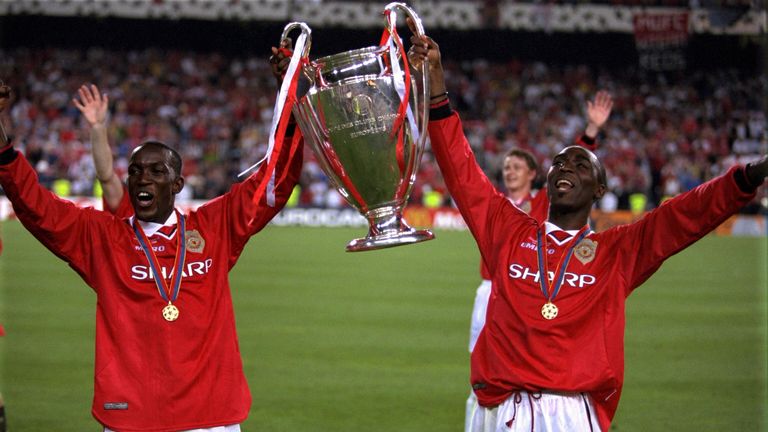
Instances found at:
x=365 y=116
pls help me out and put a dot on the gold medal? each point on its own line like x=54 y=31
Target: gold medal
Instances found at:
x=171 y=312
x=549 y=311
x=168 y=289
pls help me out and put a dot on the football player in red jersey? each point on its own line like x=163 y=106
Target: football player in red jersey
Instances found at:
x=519 y=172
x=167 y=355
x=551 y=355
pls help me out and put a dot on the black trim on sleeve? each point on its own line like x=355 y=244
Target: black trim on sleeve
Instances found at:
x=742 y=181
x=440 y=111
x=586 y=139
x=8 y=156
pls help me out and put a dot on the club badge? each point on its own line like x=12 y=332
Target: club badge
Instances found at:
x=195 y=242
x=585 y=251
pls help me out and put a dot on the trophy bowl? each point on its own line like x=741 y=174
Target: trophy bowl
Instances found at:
x=365 y=117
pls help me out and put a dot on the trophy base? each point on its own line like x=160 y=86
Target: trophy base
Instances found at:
x=388 y=240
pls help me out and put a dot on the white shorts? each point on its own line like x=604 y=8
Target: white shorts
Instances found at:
x=230 y=428
x=538 y=412
x=478 y=312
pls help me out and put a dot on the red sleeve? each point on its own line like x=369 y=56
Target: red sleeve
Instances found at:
x=58 y=224
x=678 y=223
x=237 y=217
x=586 y=142
x=478 y=201
x=124 y=209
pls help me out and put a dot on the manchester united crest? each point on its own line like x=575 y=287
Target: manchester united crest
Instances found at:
x=585 y=250
x=195 y=242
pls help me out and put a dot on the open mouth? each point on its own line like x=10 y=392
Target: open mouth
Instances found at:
x=563 y=185
x=144 y=199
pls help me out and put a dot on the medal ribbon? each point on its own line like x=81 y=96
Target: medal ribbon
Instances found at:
x=154 y=264
x=541 y=248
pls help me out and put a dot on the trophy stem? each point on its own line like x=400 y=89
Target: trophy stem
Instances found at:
x=387 y=228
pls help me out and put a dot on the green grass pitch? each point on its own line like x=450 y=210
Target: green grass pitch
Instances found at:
x=336 y=341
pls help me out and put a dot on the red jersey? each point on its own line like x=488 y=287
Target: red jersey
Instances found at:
x=582 y=349
x=151 y=374
x=536 y=204
x=124 y=207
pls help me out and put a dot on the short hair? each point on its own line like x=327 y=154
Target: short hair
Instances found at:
x=175 y=159
x=602 y=177
x=527 y=156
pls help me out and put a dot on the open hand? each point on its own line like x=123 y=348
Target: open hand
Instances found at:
x=599 y=110
x=92 y=104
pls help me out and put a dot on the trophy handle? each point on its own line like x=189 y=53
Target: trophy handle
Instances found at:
x=305 y=30
x=411 y=13
x=422 y=75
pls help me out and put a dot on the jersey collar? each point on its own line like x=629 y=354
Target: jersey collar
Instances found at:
x=150 y=228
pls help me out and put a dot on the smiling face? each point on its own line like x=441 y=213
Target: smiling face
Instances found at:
x=575 y=180
x=154 y=181
x=518 y=175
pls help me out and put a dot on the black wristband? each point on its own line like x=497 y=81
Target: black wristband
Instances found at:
x=742 y=180
x=440 y=110
x=438 y=96
x=588 y=139
x=8 y=154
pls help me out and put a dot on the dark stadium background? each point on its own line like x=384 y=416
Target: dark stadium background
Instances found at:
x=235 y=37
x=323 y=353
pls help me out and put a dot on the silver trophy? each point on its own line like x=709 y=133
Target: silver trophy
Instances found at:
x=365 y=116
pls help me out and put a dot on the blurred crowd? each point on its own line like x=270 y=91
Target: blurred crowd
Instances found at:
x=667 y=133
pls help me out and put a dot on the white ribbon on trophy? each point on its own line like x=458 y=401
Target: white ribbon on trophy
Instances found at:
x=291 y=75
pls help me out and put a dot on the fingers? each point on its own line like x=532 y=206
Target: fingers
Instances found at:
x=411 y=24
x=603 y=99
x=90 y=95
x=78 y=105
x=281 y=58
x=420 y=46
x=85 y=94
x=95 y=92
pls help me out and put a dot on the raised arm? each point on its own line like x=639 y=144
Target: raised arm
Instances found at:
x=93 y=105
x=486 y=211
x=684 y=219
x=598 y=112
x=60 y=225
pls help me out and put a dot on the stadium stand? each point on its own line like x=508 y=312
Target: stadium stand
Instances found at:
x=670 y=130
